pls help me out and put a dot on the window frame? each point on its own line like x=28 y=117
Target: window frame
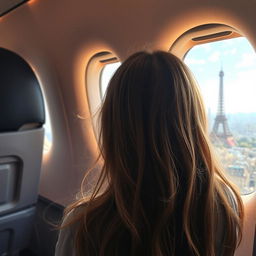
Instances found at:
x=202 y=34
x=93 y=78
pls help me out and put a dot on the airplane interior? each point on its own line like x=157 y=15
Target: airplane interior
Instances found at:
x=53 y=55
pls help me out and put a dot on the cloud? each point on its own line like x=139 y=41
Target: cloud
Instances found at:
x=240 y=92
x=214 y=57
x=192 y=61
x=229 y=42
x=240 y=74
x=247 y=60
x=232 y=51
x=209 y=90
x=206 y=47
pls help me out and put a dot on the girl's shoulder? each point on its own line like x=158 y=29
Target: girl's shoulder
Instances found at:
x=230 y=198
x=66 y=239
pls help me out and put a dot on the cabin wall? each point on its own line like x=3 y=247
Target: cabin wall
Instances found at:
x=58 y=38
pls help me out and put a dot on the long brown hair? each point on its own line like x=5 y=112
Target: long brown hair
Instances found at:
x=161 y=190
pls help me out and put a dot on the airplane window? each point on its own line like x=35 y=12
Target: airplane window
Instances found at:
x=106 y=74
x=226 y=73
x=100 y=69
x=47 y=132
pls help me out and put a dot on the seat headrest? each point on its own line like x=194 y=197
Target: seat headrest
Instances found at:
x=21 y=99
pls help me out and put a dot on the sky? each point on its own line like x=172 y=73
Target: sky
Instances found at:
x=106 y=75
x=238 y=61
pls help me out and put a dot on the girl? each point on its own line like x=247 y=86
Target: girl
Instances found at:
x=161 y=191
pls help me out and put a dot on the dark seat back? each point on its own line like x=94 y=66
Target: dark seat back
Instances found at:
x=22 y=117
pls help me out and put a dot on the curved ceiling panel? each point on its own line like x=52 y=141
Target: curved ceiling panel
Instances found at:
x=8 y=5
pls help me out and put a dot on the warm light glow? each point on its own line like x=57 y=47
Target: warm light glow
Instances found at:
x=47 y=145
x=31 y=1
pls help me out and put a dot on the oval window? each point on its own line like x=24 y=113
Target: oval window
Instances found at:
x=226 y=73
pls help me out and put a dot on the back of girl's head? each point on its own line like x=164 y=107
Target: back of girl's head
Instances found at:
x=162 y=185
x=152 y=112
x=153 y=128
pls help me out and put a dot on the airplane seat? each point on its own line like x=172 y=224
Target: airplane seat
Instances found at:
x=21 y=145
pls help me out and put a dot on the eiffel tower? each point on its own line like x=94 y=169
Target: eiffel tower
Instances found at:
x=223 y=135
